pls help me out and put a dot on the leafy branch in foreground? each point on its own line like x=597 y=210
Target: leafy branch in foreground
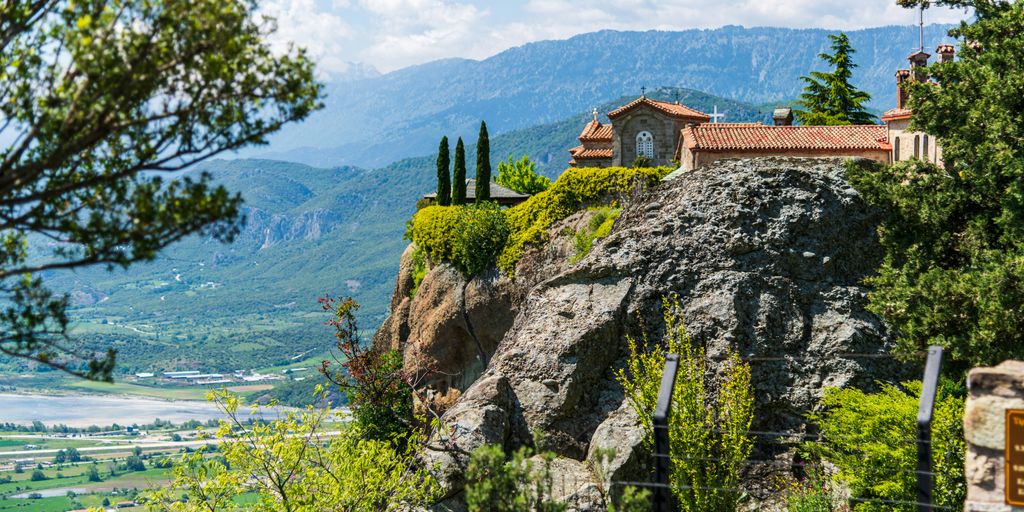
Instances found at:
x=296 y=464
x=99 y=97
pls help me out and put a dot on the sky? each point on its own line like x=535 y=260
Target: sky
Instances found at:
x=392 y=34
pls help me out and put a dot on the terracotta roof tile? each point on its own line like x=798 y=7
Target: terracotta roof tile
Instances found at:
x=745 y=137
x=897 y=113
x=592 y=154
x=672 y=109
x=595 y=131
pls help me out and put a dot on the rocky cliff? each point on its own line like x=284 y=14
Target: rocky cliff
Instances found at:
x=767 y=257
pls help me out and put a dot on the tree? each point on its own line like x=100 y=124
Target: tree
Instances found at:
x=60 y=457
x=295 y=465
x=93 y=474
x=483 y=165
x=38 y=475
x=379 y=391
x=954 y=236
x=134 y=463
x=444 y=183
x=830 y=98
x=520 y=175
x=73 y=455
x=459 y=174
x=98 y=99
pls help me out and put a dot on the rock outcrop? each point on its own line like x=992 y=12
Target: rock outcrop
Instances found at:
x=767 y=257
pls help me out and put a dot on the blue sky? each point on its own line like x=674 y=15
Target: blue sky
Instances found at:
x=391 y=34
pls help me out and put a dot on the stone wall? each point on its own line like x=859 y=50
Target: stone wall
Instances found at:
x=664 y=128
x=992 y=392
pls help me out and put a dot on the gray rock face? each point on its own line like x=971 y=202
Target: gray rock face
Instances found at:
x=267 y=229
x=767 y=258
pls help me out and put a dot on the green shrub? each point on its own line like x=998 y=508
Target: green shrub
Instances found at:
x=520 y=175
x=499 y=484
x=38 y=475
x=709 y=435
x=419 y=270
x=870 y=437
x=469 y=237
x=599 y=226
x=812 y=494
x=576 y=189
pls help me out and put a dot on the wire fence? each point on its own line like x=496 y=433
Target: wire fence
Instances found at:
x=776 y=458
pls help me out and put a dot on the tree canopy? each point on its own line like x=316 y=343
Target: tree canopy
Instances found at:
x=459 y=174
x=98 y=99
x=954 y=237
x=830 y=98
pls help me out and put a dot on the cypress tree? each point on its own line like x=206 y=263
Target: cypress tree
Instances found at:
x=444 y=179
x=459 y=175
x=483 y=165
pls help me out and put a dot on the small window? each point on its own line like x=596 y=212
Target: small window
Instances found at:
x=896 y=150
x=917 y=146
x=925 y=149
x=645 y=145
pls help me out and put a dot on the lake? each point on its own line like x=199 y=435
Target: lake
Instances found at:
x=103 y=410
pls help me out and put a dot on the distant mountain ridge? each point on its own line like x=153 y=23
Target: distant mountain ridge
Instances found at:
x=309 y=231
x=375 y=121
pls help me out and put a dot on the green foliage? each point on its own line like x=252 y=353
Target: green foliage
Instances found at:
x=134 y=463
x=293 y=466
x=38 y=475
x=469 y=237
x=641 y=161
x=813 y=494
x=378 y=389
x=93 y=473
x=709 y=439
x=520 y=175
x=97 y=97
x=516 y=484
x=830 y=98
x=459 y=175
x=483 y=166
x=599 y=226
x=953 y=274
x=444 y=179
x=577 y=188
x=868 y=435
x=419 y=270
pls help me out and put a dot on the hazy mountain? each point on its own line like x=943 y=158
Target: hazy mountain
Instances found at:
x=309 y=231
x=374 y=121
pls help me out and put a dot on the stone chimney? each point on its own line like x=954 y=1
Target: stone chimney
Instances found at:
x=783 y=116
x=902 y=75
x=946 y=53
x=918 y=63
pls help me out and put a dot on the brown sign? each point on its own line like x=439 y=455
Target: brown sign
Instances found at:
x=1015 y=457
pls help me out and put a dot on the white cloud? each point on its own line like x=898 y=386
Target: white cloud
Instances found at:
x=321 y=33
x=390 y=34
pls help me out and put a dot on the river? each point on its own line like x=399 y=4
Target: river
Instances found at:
x=85 y=410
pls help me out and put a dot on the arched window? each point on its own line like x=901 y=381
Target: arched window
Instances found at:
x=645 y=144
x=896 y=150
x=925 y=150
x=917 y=146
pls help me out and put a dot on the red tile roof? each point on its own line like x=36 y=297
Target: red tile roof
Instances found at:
x=897 y=113
x=595 y=131
x=753 y=138
x=672 y=109
x=592 y=154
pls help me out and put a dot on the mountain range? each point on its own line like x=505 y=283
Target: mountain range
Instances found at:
x=377 y=120
x=309 y=231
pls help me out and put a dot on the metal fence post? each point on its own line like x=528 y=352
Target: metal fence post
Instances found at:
x=929 y=386
x=662 y=496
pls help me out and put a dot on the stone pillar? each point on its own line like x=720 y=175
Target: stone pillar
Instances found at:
x=991 y=393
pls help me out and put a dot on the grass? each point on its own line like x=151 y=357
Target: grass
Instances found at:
x=124 y=388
